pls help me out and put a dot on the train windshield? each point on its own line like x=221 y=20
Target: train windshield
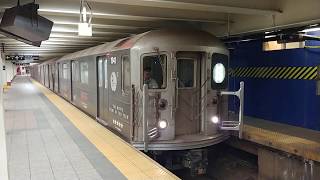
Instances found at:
x=185 y=72
x=155 y=71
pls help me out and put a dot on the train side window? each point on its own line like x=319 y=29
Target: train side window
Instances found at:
x=106 y=74
x=125 y=74
x=77 y=73
x=84 y=73
x=185 y=72
x=65 y=71
x=155 y=71
x=74 y=71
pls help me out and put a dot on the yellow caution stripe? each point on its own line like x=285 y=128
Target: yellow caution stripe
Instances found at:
x=297 y=72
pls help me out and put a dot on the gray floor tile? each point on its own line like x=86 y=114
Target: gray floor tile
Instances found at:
x=43 y=144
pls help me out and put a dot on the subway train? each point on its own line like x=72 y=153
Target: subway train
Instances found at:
x=161 y=90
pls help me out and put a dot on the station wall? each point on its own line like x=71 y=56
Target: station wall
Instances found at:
x=280 y=86
x=3 y=152
x=10 y=71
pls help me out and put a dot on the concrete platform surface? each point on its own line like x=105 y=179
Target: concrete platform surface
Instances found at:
x=294 y=140
x=44 y=143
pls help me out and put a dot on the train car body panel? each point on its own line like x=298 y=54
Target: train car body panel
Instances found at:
x=117 y=111
x=84 y=84
x=65 y=81
x=107 y=81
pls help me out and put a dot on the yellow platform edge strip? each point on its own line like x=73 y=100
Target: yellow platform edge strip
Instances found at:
x=132 y=163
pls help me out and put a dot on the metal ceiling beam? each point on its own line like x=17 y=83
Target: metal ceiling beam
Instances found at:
x=192 y=6
x=60 y=18
x=65 y=29
x=75 y=40
x=44 y=48
x=73 y=27
x=19 y=46
x=101 y=26
x=58 y=40
x=46 y=44
x=75 y=36
x=125 y=17
x=36 y=54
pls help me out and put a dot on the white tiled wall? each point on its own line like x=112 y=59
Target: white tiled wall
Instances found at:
x=3 y=152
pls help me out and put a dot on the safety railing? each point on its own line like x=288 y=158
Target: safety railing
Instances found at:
x=235 y=125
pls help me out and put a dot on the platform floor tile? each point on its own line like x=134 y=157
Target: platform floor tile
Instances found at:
x=132 y=163
x=42 y=144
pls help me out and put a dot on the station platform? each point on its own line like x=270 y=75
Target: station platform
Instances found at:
x=50 y=139
x=291 y=139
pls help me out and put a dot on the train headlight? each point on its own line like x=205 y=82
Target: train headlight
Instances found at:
x=219 y=73
x=162 y=124
x=215 y=119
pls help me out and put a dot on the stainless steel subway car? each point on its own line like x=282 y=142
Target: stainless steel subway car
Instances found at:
x=160 y=90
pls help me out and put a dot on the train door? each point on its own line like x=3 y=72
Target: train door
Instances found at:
x=72 y=80
x=58 y=77
x=53 y=66
x=44 y=74
x=48 y=76
x=188 y=114
x=102 y=94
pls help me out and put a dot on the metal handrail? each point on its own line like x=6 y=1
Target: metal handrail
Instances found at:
x=145 y=100
x=238 y=125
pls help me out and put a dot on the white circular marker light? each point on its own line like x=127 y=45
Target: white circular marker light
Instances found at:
x=219 y=73
x=162 y=124
x=215 y=119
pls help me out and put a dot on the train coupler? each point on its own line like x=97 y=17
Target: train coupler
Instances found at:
x=196 y=161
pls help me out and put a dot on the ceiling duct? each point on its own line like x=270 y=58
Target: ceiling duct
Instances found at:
x=23 y=23
x=296 y=34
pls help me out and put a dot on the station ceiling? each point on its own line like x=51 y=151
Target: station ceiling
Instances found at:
x=114 y=19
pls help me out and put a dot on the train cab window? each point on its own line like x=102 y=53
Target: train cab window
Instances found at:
x=84 y=73
x=65 y=71
x=125 y=74
x=155 y=71
x=185 y=73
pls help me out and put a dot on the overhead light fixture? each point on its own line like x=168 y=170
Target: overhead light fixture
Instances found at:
x=85 y=26
x=311 y=29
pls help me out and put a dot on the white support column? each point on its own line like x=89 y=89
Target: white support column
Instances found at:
x=3 y=149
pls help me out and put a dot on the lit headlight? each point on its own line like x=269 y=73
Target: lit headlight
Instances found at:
x=215 y=119
x=162 y=124
x=218 y=73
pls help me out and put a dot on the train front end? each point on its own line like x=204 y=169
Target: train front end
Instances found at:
x=178 y=102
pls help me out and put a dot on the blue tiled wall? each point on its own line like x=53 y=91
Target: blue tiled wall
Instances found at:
x=286 y=101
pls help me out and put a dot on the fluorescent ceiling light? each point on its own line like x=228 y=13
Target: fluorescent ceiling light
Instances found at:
x=59 y=29
x=84 y=29
x=84 y=26
x=312 y=29
x=271 y=36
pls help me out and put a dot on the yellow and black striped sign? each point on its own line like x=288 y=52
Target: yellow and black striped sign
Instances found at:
x=303 y=73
